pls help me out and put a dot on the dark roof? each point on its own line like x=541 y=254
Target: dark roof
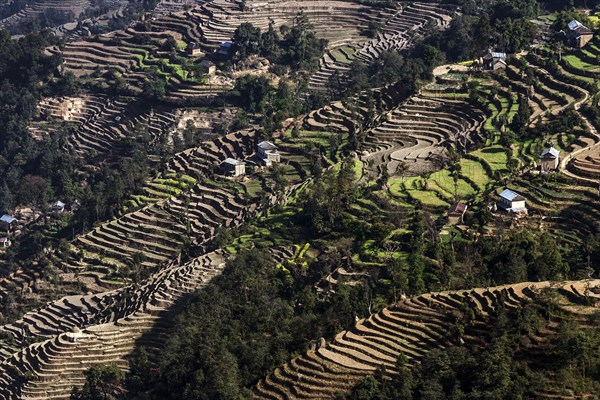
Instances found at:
x=457 y=208
x=227 y=44
x=207 y=63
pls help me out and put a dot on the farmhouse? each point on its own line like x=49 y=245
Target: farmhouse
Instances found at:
x=58 y=206
x=193 y=49
x=225 y=48
x=512 y=202
x=456 y=213
x=7 y=221
x=5 y=242
x=578 y=34
x=549 y=159
x=267 y=152
x=233 y=167
x=494 y=60
x=208 y=67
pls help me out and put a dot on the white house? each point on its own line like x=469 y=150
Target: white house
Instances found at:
x=233 y=167
x=549 y=159
x=5 y=242
x=512 y=202
x=267 y=152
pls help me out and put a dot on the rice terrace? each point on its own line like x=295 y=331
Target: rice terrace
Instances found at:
x=281 y=199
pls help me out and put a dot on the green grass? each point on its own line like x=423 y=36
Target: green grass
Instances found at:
x=414 y=188
x=475 y=171
x=253 y=187
x=428 y=198
x=494 y=156
x=358 y=168
x=340 y=57
x=577 y=63
x=445 y=182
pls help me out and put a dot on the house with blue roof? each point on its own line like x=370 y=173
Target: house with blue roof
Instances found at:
x=512 y=202
x=225 y=49
x=549 y=159
x=7 y=221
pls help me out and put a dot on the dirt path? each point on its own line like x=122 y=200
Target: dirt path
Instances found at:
x=573 y=154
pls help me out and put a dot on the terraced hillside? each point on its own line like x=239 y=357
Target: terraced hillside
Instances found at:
x=39 y=7
x=587 y=164
x=100 y=124
x=81 y=331
x=169 y=219
x=419 y=132
x=399 y=29
x=412 y=327
x=130 y=52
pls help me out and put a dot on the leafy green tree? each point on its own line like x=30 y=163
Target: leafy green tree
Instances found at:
x=521 y=120
x=247 y=39
x=269 y=42
x=101 y=382
x=154 y=88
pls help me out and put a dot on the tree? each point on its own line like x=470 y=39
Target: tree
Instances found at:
x=253 y=92
x=33 y=190
x=154 y=87
x=401 y=169
x=247 y=39
x=521 y=119
x=101 y=381
x=269 y=42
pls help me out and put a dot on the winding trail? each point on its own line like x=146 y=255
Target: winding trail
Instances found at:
x=573 y=154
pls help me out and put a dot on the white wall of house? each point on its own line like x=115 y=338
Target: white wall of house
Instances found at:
x=518 y=204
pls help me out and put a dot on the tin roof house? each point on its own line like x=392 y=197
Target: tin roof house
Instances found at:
x=549 y=159
x=233 y=167
x=268 y=154
x=578 y=34
x=512 y=202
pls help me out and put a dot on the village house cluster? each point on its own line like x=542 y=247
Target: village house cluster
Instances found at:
x=267 y=153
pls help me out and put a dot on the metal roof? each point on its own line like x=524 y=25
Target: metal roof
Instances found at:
x=494 y=54
x=578 y=28
x=574 y=24
x=233 y=161
x=552 y=152
x=266 y=145
x=509 y=195
x=7 y=218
